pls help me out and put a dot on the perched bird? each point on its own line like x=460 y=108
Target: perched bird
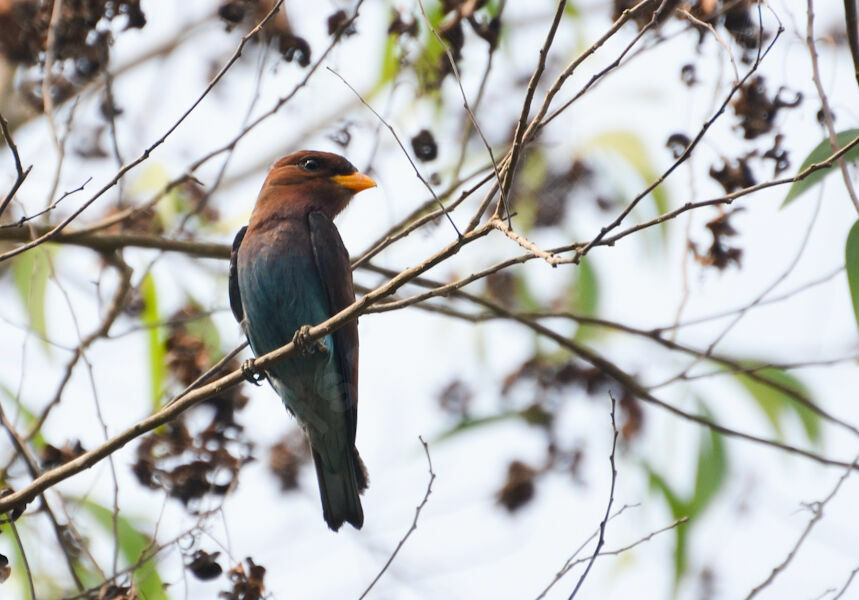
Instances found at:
x=289 y=270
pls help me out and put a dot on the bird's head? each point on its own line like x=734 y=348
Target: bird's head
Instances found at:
x=310 y=180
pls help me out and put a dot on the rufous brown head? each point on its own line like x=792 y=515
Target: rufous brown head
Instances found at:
x=310 y=180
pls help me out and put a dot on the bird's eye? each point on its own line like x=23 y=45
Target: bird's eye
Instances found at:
x=310 y=164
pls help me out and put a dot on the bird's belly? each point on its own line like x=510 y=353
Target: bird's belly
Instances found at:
x=279 y=296
x=278 y=299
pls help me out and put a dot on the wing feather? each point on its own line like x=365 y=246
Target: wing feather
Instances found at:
x=335 y=272
x=235 y=296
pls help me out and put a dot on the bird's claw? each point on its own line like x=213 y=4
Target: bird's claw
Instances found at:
x=304 y=344
x=250 y=372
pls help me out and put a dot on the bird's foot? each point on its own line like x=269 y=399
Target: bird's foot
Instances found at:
x=304 y=344
x=250 y=372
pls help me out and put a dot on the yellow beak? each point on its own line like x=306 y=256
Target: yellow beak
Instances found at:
x=354 y=181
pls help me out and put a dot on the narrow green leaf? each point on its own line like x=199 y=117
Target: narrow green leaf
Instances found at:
x=711 y=469
x=710 y=475
x=583 y=296
x=157 y=351
x=587 y=288
x=852 y=252
x=203 y=328
x=30 y=272
x=658 y=483
x=132 y=545
x=16 y=561
x=468 y=424
x=821 y=152
x=523 y=294
x=390 y=63
x=426 y=65
x=530 y=179
x=493 y=8
x=775 y=404
x=679 y=509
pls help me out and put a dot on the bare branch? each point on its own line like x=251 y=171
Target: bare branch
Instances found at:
x=601 y=539
x=817 y=511
x=413 y=526
x=573 y=562
x=519 y=135
x=29 y=573
x=22 y=173
x=824 y=101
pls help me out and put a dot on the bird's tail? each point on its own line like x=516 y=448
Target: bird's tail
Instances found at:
x=339 y=490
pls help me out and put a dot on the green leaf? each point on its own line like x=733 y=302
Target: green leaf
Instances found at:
x=493 y=8
x=132 y=545
x=679 y=509
x=711 y=469
x=852 y=261
x=390 y=63
x=204 y=329
x=634 y=151
x=16 y=561
x=426 y=65
x=775 y=404
x=530 y=179
x=584 y=298
x=30 y=272
x=587 y=288
x=157 y=351
x=821 y=152
x=523 y=295
x=467 y=424
x=658 y=483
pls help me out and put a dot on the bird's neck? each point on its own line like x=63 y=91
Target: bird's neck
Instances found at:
x=274 y=206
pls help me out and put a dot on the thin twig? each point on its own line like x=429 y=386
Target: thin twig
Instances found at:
x=402 y=147
x=33 y=468
x=817 y=511
x=413 y=526
x=574 y=562
x=519 y=135
x=846 y=584
x=824 y=101
x=851 y=20
x=22 y=173
x=601 y=539
x=26 y=219
x=471 y=116
x=283 y=99
x=504 y=228
x=115 y=308
x=29 y=573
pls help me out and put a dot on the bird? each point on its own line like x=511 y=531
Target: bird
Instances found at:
x=289 y=270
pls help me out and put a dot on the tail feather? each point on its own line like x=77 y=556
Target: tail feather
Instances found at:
x=339 y=491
